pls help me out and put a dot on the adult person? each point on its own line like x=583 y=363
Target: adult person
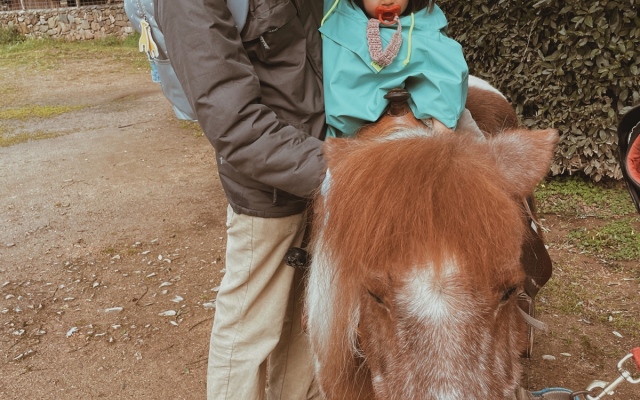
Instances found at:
x=257 y=94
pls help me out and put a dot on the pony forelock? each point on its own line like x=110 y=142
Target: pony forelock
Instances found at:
x=416 y=200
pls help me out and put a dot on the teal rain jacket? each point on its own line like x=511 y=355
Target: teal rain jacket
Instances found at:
x=429 y=65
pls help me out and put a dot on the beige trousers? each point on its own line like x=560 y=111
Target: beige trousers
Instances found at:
x=257 y=321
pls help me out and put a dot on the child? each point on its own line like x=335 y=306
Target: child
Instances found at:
x=359 y=70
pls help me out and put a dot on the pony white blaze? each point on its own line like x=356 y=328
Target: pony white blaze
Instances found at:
x=427 y=298
x=442 y=306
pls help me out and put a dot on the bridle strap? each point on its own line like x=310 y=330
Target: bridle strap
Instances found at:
x=535 y=323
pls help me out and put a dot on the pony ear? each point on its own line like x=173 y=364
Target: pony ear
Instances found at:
x=524 y=157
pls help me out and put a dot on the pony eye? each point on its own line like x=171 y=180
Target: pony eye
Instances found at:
x=508 y=293
x=377 y=298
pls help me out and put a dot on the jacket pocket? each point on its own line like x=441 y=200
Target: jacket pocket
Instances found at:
x=173 y=90
x=274 y=34
x=267 y=16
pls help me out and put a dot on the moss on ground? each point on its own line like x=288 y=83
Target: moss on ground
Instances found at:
x=47 y=54
x=7 y=140
x=47 y=111
x=609 y=231
x=582 y=198
x=617 y=240
x=191 y=126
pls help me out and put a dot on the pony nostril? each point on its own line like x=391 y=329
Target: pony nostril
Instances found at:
x=377 y=298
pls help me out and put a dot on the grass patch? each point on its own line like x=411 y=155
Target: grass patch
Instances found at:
x=110 y=250
x=7 y=94
x=191 y=126
x=579 y=197
x=131 y=40
x=564 y=290
x=49 y=53
x=10 y=140
x=23 y=113
x=9 y=137
x=12 y=35
x=617 y=240
x=572 y=293
x=623 y=323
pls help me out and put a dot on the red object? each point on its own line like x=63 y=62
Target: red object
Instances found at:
x=636 y=356
x=633 y=162
x=386 y=14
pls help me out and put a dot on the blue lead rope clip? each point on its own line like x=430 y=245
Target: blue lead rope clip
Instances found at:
x=550 y=391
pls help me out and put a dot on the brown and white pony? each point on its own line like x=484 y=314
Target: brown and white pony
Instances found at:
x=411 y=292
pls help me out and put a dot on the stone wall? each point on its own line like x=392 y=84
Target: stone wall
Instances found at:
x=77 y=23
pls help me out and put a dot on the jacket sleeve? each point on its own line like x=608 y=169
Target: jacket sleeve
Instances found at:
x=213 y=67
x=439 y=88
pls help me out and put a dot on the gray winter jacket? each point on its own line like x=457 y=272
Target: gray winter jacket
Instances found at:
x=257 y=95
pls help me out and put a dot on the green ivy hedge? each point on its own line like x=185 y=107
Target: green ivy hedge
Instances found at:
x=567 y=64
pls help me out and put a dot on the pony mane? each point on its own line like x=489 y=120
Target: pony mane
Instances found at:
x=417 y=199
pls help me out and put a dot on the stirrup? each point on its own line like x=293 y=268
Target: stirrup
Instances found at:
x=297 y=257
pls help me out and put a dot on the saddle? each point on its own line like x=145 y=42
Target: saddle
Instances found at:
x=534 y=256
x=398 y=116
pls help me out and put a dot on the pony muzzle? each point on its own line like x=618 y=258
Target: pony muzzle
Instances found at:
x=387 y=14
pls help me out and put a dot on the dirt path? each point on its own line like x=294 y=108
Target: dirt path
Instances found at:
x=126 y=212
x=111 y=249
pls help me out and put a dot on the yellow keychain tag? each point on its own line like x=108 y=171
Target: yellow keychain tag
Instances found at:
x=146 y=43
